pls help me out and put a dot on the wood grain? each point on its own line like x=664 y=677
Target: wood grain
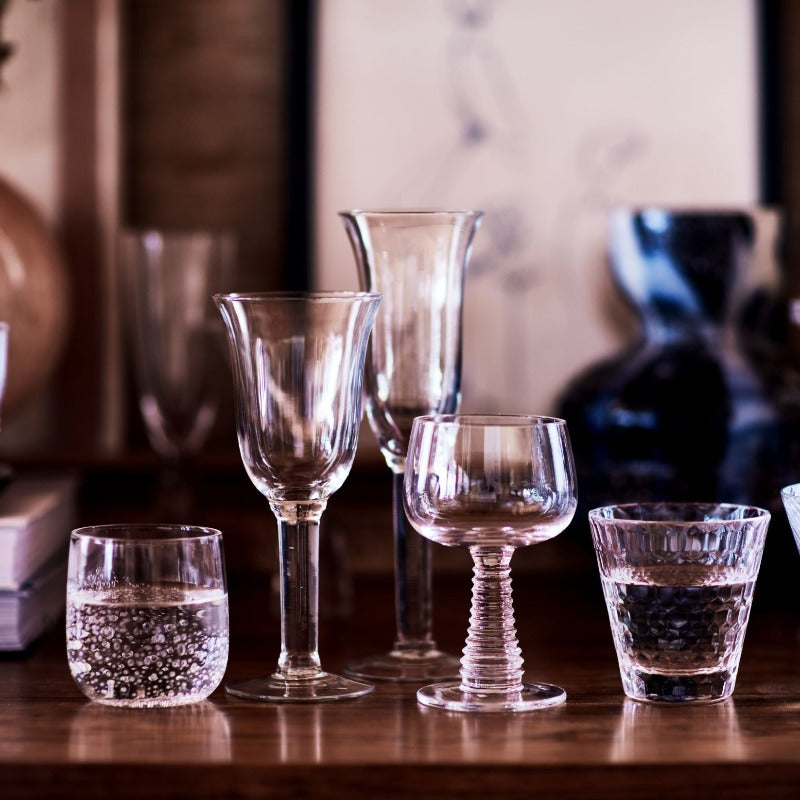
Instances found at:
x=597 y=745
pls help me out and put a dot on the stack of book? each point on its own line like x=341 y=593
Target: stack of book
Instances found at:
x=36 y=517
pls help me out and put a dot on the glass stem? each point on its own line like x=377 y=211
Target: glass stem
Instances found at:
x=298 y=539
x=413 y=592
x=492 y=660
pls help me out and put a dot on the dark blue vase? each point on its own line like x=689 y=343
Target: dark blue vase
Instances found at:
x=680 y=415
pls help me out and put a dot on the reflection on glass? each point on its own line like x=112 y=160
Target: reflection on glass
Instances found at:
x=195 y=733
x=300 y=734
x=712 y=731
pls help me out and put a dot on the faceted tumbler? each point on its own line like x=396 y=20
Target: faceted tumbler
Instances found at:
x=678 y=580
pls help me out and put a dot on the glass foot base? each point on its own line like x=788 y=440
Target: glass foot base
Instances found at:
x=401 y=667
x=452 y=697
x=702 y=687
x=273 y=689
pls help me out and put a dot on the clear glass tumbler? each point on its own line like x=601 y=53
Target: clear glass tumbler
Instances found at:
x=417 y=260
x=491 y=484
x=147 y=613
x=298 y=361
x=678 y=580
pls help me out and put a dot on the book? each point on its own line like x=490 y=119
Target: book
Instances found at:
x=27 y=612
x=36 y=518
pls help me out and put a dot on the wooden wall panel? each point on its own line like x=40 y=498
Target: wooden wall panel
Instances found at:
x=81 y=404
x=204 y=123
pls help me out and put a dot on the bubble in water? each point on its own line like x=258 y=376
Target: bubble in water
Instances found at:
x=170 y=646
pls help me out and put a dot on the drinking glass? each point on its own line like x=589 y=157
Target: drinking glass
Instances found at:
x=491 y=484
x=790 y=495
x=168 y=279
x=417 y=260
x=147 y=613
x=678 y=581
x=298 y=361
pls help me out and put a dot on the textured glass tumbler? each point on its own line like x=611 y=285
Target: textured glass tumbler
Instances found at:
x=298 y=360
x=790 y=495
x=147 y=613
x=417 y=260
x=491 y=484
x=678 y=580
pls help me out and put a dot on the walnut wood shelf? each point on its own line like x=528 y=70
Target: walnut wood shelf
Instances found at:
x=597 y=745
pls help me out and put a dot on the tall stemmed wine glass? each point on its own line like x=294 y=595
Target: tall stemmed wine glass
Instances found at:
x=491 y=484
x=298 y=361
x=168 y=278
x=417 y=260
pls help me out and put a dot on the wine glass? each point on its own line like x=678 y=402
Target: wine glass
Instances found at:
x=417 y=260
x=298 y=361
x=168 y=278
x=491 y=484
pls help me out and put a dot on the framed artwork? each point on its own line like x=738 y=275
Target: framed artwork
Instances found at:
x=545 y=116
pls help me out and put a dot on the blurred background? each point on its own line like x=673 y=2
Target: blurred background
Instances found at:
x=266 y=117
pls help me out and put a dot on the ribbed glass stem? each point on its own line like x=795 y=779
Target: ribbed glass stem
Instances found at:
x=492 y=660
x=413 y=589
x=299 y=560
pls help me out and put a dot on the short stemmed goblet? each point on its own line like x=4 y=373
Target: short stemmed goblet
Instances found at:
x=491 y=484
x=298 y=361
x=417 y=260
x=168 y=278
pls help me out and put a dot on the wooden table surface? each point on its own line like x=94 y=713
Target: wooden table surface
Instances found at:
x=597 y=745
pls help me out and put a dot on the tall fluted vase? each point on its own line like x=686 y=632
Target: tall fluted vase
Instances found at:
x=417 y=261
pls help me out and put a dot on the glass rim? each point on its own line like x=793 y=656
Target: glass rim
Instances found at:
x=792 y=490
x=320 y=296
x=495 y=420
x=133 y=532
x=606 y=513
x=411 y=212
